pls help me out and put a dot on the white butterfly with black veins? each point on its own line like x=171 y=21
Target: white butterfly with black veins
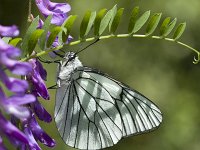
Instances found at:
x=94 y=111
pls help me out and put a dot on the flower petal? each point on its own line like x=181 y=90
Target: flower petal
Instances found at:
x=18 y=111
x=8 y=49
x=21 y=100
x=14 y=85
x=58 y=10
x=41 y=70
x=16 y=67
x=39 y=134
x=35 y=78
x=9 y=31
x=41 y=112
x=11 y=131
x=33 y=145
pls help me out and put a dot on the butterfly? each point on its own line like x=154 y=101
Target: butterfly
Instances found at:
x=95 y=111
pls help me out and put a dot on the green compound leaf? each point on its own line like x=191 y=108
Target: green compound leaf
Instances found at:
x=29 y=32
x=87 y=23
x=179 y=31
x=133 y=19
x=141 y=21
x=167 y=26
x=67 y=26
x=97 y=21
x=105 y=21
x=153 y=23
x=15 y=41
x=54 y=33
x=34 y=40
x=46 y=27
x=116 y=20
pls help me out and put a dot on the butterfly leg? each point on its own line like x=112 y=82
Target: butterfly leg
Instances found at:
x=53 y=87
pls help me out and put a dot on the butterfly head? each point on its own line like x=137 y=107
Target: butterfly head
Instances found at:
x=69 y=57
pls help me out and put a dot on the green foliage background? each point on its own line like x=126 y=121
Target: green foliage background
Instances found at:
x=161 y=70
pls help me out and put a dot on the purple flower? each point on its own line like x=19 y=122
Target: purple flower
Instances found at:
x=57 y=10
x=20 y=104
x=34 y=132
x=32 y=145
x=13 y=104
x=56 y=42
x=7 y=55
x=13 y=84
x=9 y=31
x=41 y=112
x=36 y=77
x=11 y=131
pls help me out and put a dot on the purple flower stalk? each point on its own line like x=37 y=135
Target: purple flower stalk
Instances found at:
x=14 y=104
x=20 y=105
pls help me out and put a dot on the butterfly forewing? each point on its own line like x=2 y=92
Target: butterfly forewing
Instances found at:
x=94 y=111
x=89 y=119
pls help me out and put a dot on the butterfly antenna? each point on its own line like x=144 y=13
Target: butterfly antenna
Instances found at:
x=60 y=55
x=87 y=46
x=62 y=51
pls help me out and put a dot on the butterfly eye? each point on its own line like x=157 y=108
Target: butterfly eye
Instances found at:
x=70 y=57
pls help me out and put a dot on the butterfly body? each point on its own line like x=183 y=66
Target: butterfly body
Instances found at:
x=66 y=67
x=94 y=111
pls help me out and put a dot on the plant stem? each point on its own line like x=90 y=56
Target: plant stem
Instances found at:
x=30 y=17
x=113 y=36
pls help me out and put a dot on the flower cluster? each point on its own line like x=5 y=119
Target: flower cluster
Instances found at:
x=59 y=15
x=19 y=109
x=13 y=105
x=57 y=10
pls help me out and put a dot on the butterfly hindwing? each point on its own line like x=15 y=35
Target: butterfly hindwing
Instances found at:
x=138 y=113
x=95 y=111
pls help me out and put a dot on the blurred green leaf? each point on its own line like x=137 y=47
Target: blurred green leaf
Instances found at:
x=179 y=31
x=54 y=33
x=164 y=25
x=114 y=11
x=15 y=41
x=67 y=26
x=97 y=21
x=141 y=21
x=87 y=23
x=84 y=24
x=133 y=19
x=167 y=26
x=153 y=23
x=46 y=28
x=29 y=31
x=34 y=40
x=6 y=39
x=116 y=20
x=91 y=22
